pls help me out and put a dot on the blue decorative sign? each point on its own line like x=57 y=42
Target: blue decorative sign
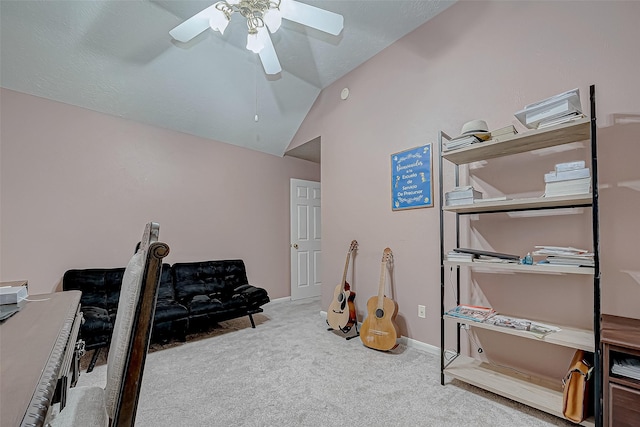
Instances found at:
x=411 y=185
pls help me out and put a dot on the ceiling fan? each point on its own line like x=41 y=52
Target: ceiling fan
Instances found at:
x=263 y=16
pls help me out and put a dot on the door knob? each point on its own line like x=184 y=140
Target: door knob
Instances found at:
x=295 y=246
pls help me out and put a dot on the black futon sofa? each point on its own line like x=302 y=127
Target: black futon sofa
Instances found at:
x=192 y=296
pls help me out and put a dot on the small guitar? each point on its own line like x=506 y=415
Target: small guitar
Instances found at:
x=342 y=311
x=379 y=330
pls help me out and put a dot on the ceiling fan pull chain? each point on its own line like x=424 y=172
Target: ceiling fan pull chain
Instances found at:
x=256 y=81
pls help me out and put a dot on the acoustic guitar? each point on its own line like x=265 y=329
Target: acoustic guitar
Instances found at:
x=379 y=330
x=341 y=315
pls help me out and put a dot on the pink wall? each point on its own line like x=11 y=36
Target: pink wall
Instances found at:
x=78 y=186
x=483 y=60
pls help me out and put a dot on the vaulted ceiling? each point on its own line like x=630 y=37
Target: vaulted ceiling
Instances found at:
x=117 y=57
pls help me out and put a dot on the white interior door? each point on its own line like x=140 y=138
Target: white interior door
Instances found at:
x=305 y=239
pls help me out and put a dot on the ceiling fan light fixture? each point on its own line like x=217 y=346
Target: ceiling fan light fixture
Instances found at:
x=263 y=16
x=254 y=43
x=273 y=19
x=218 y=22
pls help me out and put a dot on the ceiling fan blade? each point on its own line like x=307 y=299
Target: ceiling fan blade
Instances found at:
x=311 y=16
x=268 y=55
x=193 y=26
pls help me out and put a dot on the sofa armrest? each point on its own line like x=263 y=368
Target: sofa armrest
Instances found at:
x=254 y=295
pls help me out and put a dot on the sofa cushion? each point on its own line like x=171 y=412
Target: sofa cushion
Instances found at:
x=96 y=328
x=113 y=283
x=189 y=280
x=169 y=310
x=165 y=290
x=90 y=282
x=203 y=305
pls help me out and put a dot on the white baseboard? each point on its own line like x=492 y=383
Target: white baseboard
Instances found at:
x=419 y=345
x=278 y=300
x=405 y=341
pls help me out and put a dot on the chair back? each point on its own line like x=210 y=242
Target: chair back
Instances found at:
x=132 y=329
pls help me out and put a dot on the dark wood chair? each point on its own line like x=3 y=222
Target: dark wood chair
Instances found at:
x=116 y=404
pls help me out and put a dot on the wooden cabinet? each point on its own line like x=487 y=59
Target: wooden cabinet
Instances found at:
x=620 y=339
x=536 y=392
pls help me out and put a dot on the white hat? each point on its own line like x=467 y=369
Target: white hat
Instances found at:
x=478 y=128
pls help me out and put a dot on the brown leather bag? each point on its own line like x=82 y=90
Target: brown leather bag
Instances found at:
x=576 y=400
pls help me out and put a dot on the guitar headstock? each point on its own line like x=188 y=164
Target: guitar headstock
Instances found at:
x=354 y=246
x=387 y=255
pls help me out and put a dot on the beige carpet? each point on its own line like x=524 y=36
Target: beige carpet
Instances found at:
x=221 y=328
x=290 y=371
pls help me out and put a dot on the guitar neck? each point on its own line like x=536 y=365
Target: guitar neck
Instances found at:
x=383 y=268
x=346 y=267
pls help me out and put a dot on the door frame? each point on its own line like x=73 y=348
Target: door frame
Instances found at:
x=311 y=244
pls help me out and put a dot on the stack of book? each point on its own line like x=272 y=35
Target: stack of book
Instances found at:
x=567 y=178
x=559 y=255
x=552 y=111
x=503 y=133
x=626 y=367
x=460 y=142
x=488 y=256
x=472 y=312
x=459 y=256
x=461 y=196
x=560 y=120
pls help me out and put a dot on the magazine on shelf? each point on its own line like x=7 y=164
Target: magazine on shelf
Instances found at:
x=538 y=329
x=562 y=251
x=488 y=254
x=472 y=312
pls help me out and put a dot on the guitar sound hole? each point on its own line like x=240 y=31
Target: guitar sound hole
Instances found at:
x=340 y=297
x=379 y=313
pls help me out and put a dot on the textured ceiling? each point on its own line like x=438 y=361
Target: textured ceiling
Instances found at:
x=117 y=57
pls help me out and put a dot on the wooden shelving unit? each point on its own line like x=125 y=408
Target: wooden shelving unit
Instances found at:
x=540 y=393
x=580 y=200
x=532 y=140
x=567 y=336
x=522 y=268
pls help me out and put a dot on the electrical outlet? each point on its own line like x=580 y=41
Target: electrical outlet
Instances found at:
x=422 y=311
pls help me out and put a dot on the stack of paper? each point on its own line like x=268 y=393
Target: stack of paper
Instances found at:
x=502 y=133
x=557 y=109
x=458 y=256
x=568 y=178
x=627 y=367
x=558 y=255
x=461 y=196
x=560 y=120
x=460 y=142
